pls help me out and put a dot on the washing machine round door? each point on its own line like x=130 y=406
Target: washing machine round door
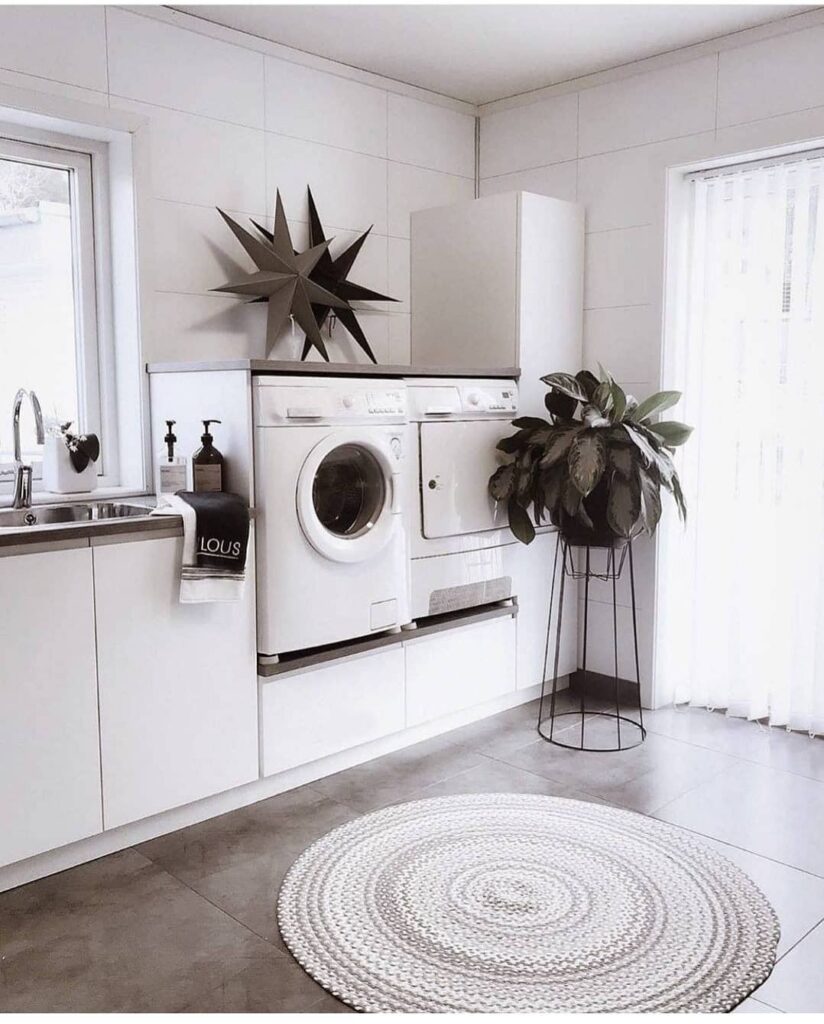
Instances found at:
x=345 y=498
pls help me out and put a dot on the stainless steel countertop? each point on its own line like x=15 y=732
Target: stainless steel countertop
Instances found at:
x=86 y=529
x=318 y=369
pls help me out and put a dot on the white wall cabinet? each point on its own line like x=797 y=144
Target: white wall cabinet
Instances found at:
x=498 y=282
x=49 y=755
x=178 y=684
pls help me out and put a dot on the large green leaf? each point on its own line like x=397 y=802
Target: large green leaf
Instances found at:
x=515 y=442
x=558 y=445
x=624 y=506
x=529 y=423
x=571 y=498
x=648 y=453
x=562 y=407
x=619 y=402
x=621 y=459
x=587 y=460
x=656 y=403
x=566 y=384
x=520 y=523
x=502 y=482
x=602 y=397
x=588 y=381
x=553 y=479
x=650 y=500
x=671 y=432
x=678 y=494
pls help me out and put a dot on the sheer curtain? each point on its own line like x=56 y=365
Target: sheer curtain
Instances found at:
x=741 y=589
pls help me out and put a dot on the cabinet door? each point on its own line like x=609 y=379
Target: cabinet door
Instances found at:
x=178 y=684
x=531 y=571
x=49 y=755
x=459 y=668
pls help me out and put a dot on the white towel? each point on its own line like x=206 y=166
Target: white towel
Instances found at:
x=197 y=586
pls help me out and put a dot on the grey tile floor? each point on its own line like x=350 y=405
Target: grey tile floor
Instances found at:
x=187 y=922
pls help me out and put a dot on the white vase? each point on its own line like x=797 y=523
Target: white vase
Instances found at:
x=60 y=476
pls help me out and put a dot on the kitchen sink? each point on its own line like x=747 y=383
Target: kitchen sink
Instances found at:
x=50 y=515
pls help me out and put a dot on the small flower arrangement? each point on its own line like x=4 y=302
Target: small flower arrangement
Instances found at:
x=82 y=448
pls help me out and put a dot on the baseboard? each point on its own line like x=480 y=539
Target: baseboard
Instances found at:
x=136 y=832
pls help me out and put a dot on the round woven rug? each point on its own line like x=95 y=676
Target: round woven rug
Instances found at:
x=509 y=902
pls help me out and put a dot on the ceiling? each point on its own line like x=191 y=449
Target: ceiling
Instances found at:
x=483 y=52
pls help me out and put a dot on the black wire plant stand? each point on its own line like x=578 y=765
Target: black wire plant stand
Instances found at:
x=555 y=725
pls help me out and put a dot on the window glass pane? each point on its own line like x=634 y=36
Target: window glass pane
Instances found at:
x=37 y=304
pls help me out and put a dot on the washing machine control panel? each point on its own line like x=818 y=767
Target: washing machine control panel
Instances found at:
x=489 y=399
x=386 y=402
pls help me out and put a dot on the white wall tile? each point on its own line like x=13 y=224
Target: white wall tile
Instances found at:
x=431 y=136
x=194 y=250
x=648 y=107
x=557 y=180
x=349 y=189
x=66 y=44
x=172 y=67
x=310 y=104
x=188 y=327
x=529 y=136
x=203 y=161
x=622 y=268
x=774 y=76
x=18 y=80
x=416 y=188
x=399 y=339
x=399 y=274
x=783 y=130
x=626 y=340
x=627 y=188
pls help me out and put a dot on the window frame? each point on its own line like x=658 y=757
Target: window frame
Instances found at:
x=87 y=161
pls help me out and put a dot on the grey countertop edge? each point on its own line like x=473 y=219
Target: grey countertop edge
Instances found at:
x=263 y=367
x=59 y=533
x=301 y=661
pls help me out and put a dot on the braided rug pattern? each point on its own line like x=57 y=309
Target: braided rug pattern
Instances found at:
x=522 y=903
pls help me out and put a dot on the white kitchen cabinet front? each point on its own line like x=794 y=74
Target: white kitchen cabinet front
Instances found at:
x=49 y=756
x=178 y=684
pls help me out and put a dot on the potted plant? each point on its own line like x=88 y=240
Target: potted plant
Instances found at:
x=596 y=467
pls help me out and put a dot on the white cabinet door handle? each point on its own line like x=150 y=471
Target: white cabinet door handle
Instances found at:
x=298 y=412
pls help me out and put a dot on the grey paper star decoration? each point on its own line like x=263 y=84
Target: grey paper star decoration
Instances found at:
x=306 y=286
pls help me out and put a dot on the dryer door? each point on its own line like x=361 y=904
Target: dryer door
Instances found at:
x=348 y=496
x=457 y=460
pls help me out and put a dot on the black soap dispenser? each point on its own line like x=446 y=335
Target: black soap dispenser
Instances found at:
x=207 y=463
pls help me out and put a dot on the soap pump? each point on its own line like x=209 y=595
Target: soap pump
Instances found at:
x=171 y=468
x=207 y=462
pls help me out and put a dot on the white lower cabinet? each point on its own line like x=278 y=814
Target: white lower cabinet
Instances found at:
x=178 y=684
x=531 y=569
x=49 y=756
x=322 y=711
x=459 y=668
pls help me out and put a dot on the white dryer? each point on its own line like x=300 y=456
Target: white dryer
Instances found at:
x=458 y=533
x=331 y=546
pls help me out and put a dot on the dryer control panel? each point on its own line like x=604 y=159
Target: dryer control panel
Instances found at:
x=431 y=400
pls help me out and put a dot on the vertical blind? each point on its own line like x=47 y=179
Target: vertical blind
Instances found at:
x=741 y=605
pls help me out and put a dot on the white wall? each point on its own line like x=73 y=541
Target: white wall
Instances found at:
x=607 y=142
x=230 y=123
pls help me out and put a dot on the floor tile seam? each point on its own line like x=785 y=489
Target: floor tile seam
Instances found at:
x=216 y=906
x=725 y=842
x=737 y=757
x=798 y=942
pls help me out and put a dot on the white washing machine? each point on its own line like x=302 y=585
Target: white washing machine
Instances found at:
x=458 y=533
x=331 y=545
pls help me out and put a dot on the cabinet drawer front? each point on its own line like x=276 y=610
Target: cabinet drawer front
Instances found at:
x=458 y=669
x=310 y=715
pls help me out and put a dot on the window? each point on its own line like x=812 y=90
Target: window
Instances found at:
x=53 y=274
x=741 y=603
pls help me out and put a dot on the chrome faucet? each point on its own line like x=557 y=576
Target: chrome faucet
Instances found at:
x=22 y=471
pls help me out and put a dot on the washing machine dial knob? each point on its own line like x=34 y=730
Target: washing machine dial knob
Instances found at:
x=474 y=398
x=348 y=401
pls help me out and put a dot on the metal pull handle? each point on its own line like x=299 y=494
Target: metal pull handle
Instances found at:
x=300 y=412
x=395 y=501
x=438 y=410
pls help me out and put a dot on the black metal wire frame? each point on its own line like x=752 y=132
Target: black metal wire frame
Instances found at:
x=612 y=572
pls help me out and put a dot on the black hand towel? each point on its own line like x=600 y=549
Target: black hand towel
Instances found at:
x=222 y=533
